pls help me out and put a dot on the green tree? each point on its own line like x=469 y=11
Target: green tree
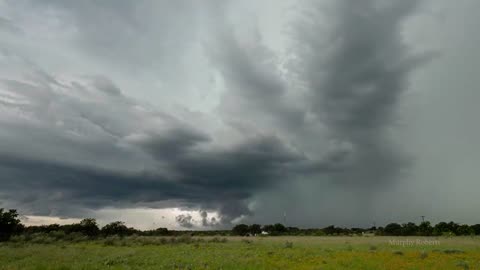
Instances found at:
x=293 y=230
x=465 y=230
x=425 y=228
x=441 y=229
x=409 y=229
x=330 y=230
x=279 y=228
x=476 y=229
x=240 y=229
x=393 y=229
x=9 y=223
x=269 y=228
x=255 y=229
x=453 y=227
x=161 y=231
x=115 y=228
x=89 y=226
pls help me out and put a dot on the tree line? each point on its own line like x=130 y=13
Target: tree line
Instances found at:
x=10 y=225
x=393 y=229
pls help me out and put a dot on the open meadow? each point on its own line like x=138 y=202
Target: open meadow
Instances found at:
x=244 y=253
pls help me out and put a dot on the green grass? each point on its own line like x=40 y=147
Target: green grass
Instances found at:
x=236 y=253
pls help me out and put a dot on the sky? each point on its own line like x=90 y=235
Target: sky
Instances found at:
x=205 y=114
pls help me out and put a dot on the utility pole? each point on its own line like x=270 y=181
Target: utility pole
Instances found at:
x=423 y=218
x=285 y=219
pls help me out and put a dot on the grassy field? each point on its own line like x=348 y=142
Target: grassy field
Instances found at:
x=247 y=253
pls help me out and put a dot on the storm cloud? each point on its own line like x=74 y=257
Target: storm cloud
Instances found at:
x=119 y=153
x=234 y=111
x=356 y=79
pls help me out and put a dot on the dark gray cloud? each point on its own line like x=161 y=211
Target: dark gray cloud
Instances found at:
x=112 y=150
x=94 y=147
x=200 y=106
x=172 y=144
x=216 y=184
x=356 y=80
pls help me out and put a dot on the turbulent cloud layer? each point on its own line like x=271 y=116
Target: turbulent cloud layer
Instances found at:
x=90 y=145
x=235 y=111
x=356 y=79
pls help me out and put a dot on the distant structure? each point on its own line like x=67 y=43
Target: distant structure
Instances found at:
x=423 y=218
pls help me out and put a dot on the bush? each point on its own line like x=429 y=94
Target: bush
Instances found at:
x=110 y=241
x=150 y=240
x=42 y=239
x=75 y=237
x=18 y=239
x=246 y=241
x=463 y=264
x=397 y=252
x=448 y=234
x=163 y=240
x=453 y=251
x=57 y=235
x=185 y=238
x=138 y=240
x=423 y=255
x=214 y=240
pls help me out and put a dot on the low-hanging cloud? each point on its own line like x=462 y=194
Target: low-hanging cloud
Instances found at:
x=185 y=221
